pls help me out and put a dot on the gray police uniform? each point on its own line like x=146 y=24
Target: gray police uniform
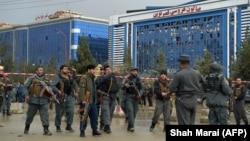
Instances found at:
x=186 y=84
x=67 y=103
x=36 y=102
x=163 y=104
x=109 y=85
x=238 y=106
x=131 y=101
x=7 y=97
x=217 y=92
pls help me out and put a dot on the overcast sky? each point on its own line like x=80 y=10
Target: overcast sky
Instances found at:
x=25 y=11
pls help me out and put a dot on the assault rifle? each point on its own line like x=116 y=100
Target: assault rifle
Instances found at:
x=85 y=115
x=134 y=88
x=137 y=96
x=48 y=89
x=101 y=94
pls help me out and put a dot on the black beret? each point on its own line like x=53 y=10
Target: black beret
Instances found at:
x=163 y=72
x=91 y=66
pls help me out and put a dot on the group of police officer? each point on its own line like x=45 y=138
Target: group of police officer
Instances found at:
x=102 y=92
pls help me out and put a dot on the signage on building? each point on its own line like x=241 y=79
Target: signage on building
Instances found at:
x=57 y=14
x=177 y=11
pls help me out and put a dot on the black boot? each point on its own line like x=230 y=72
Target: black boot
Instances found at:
x=46 y=130
x=58 y=129
x=107 y=129
x=4 y=111
x=152 y=127
x=69 y=128
x=26 y=129
x=131 y=128
x=8 y=112
x=96 y=133
x=246 y=123
x=82 y=133
x=101 y=126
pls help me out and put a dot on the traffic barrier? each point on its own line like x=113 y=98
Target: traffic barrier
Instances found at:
x=30 y=74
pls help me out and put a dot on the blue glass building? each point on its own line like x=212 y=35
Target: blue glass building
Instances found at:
x=193 y=28
x=57 y=37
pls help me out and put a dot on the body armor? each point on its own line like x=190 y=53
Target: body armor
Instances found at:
x=133 y=81
x=213 y=83
x=65 y=84
x=164 y=88
x=36 y=87
x=237 y=91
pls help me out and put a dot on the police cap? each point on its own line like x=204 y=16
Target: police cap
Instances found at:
x=215 y=67
x=133 y=68
x=184 y=58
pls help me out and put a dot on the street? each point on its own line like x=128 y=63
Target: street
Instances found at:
x=14 y=126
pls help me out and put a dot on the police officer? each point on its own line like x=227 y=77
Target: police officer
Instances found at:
x=7 y=97
x=149 y=94
x=132 y=87
x=37 y=100
x=239 y=92
x=217 y=92
x=64 y=83
x=186 y=84
x=123 y=99
x=109 y=85
x=3 y=78
x=163 y=103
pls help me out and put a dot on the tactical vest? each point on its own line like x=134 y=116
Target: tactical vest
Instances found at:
x=132 y=80
x=237 y=91
x=213 y=83
x=2 y=80
x=110 y=85
x=35 y=87
x=65 y=85
x=163 y=88
x=9 y=85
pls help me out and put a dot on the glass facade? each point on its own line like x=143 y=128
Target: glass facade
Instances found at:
x=191 y=35
x=38 y=43
x=97 y=37
x=215 y=26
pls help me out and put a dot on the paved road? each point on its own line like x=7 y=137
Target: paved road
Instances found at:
x=14 y=126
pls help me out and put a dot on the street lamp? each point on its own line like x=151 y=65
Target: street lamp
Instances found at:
x=64 y=35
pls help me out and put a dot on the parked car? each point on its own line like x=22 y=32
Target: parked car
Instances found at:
x=247 y=102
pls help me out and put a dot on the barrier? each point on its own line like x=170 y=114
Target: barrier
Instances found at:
x=30 y=74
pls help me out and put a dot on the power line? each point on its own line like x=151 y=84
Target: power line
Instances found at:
x=40 y=5
x=19 y=2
